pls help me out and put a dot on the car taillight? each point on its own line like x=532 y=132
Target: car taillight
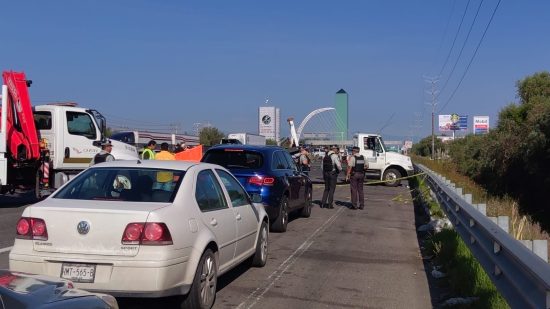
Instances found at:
x=261 y=180
x=156 y=234
x=151 y=233
x=31 y=228
x=132 y=233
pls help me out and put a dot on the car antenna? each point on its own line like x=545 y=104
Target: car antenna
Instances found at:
x=138 y=161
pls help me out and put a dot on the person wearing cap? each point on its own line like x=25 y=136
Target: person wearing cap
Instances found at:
x=356 y=177
x=303 y=161
x=149 y=151
x=331 y=167
x=105 y=154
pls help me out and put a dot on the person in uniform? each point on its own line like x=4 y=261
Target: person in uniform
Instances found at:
x=105 y=154
x=149 y=151
x=331 y=168
x=303 y=161
x=164 y=179
x=356 y=177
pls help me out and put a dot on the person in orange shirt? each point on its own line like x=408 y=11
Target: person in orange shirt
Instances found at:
x=164 y=179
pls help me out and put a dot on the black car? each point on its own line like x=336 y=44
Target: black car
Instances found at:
x=270 y=172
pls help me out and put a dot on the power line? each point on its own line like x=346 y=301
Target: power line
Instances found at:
x=473 y=56
x=456 y=36
x=463 y=45
x=446 y=29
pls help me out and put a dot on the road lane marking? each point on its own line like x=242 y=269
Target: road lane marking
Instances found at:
x=7 y=249
x=257 y=294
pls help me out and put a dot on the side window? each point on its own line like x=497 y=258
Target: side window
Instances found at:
x=236 y=192
x=208 y=193
x=378 y=146
x=42 y=120
x=279 y=162
x=81 y=124
x=290 y=162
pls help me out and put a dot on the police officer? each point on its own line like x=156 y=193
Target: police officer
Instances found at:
x=105 y=154
x=149 y=151
x=356 y=176
x=331 y=167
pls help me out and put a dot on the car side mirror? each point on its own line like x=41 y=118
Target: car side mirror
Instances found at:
x=256 y=198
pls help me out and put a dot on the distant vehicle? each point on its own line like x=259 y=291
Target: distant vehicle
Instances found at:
x=22 y=290
x=246 y=138
x=270 y=172
x=144 y=229
x=384 y=165
x=139 y=139
x=231 y=141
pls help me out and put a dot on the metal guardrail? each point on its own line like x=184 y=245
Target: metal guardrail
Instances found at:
x=521 y=277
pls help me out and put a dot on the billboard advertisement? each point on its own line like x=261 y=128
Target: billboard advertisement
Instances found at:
x=481 y=124
x=453 y=122
x=268 y=122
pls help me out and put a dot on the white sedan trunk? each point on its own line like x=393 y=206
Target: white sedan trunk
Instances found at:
x=106 y=221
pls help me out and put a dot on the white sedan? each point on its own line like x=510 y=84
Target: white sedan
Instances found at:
x=144 y=229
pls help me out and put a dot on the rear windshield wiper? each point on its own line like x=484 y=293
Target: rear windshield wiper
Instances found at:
x=236 y=166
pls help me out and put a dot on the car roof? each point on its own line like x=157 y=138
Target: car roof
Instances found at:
x=247 y=147
x=163 y=164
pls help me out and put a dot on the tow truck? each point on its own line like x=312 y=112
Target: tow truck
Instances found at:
x=42 y=147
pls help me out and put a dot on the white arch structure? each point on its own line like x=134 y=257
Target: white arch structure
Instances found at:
x=308 y=117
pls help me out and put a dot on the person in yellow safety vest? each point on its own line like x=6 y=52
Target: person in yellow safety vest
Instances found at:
x=164 y=179
x=149 y=151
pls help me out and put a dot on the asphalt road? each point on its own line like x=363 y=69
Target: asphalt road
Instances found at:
x=337 y=258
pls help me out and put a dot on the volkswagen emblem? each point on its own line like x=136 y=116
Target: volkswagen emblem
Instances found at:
x=83 y=227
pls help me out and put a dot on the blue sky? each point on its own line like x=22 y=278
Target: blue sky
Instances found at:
x=181 y=62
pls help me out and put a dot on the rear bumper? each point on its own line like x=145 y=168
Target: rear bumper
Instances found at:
x=115 y=277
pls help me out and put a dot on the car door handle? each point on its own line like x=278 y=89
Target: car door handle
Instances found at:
x=213 y=222
x=238 y=217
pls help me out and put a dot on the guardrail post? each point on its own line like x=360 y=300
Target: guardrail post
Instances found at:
x=459 y=191
x=503 y=223
x=482 y=209
x=468 y=198
x=540 y=248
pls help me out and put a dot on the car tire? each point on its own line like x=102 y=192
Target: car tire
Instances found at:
x=282 y=220
x=306 y=210
x=260 y=257
x=390 y=177
x=206 y=277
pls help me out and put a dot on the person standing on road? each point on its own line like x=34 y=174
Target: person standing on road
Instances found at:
x=164 y=179
x=356 y=176
x=149 y=151
x=105 y=154
x=304 y=161
x=331 y=167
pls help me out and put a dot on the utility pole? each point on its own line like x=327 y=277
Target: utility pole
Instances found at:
x=433 y=92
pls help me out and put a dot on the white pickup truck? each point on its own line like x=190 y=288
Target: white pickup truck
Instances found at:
x=387 y=166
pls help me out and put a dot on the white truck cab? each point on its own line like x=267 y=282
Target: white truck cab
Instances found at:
x=73 y=135
x=386 y=166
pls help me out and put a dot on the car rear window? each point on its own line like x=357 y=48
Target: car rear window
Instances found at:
x=123 y=184
x=234 y=158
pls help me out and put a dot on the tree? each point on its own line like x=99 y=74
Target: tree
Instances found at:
x=424 y=147
x=270 y=141
x=209 y=136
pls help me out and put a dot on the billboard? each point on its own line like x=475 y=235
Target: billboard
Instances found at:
x=453 y=122
x=268 y=122
x=481 y=124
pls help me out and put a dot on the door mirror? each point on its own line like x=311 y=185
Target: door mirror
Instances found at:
x=256 y=198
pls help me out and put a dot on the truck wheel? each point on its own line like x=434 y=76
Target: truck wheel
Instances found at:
x=282 y=220
x=390 y=176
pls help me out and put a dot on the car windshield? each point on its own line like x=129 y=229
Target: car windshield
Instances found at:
x=123 y=184
x=234 y=158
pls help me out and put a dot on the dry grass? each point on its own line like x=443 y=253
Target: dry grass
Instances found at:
x=521 y=226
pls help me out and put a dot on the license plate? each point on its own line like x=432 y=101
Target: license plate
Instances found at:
x=78 y=272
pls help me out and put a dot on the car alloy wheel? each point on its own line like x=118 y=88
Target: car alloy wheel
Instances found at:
x=263 y=243
x=208 y=281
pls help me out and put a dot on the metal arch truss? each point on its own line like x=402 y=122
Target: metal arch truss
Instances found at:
x=308 y=117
